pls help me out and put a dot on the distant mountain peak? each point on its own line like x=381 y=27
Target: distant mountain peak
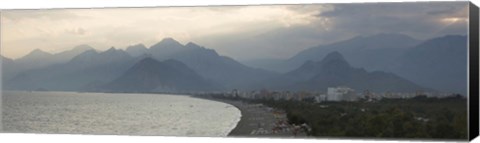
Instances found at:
x=92 y=51
x=192 y=45
x=334 y=70
x=137 y=50
x=115 y=53
x=112 y=49
x=151 y=75
x=335 y=55
x=168 y=42
x=85 y=55
x=169 y=39
x=39 y=52
x=334 y=61
x=140 y=45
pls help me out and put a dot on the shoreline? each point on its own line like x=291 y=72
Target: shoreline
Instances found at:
x=258 y=120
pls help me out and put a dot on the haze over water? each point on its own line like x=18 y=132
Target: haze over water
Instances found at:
x=119 y=114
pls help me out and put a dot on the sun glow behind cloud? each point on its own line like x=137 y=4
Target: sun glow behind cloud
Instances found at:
x=451 y=20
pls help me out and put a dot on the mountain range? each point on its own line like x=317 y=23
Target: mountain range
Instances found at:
x=88 y=69
x=208 y=63
x=384 y=62
x=91 y=69
x=38 y=58
x=370 y=52
x=333 y=71
x=438 y=63
x=153 y=76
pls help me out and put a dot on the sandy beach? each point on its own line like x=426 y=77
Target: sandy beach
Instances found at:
x=261 y=121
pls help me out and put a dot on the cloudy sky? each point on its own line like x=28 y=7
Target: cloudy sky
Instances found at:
x=241 y=32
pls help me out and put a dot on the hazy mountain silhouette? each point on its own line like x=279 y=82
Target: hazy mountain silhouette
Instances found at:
x=374 y=52
x=167 y=76
x=8 y=68
x=6 y=60
x=66 y=56
x=92 y=57
x=166 y=48
x=439 y=63
x=89 y=69
x=40 y=59
x=35 y=59
x=209 y=64
x=137 y=50
x=334 y=71
x=192 y=45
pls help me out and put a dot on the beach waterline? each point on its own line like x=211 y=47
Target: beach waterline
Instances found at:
x=235 y=121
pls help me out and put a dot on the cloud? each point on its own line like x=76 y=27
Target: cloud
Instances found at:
x=77 y=31
x=53 y=14
x=442 y=11
x=279 y=43
x=272 y=31
x=420 y=19
x=120 y=27
x=337 y=22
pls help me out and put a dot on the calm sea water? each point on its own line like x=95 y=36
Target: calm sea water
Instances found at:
x=120 y=114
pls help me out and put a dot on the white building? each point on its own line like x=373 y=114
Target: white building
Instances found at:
x=320 y=98
x=340 y=94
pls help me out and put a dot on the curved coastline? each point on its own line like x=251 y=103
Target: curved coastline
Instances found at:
x=237 y=121
x=255 y=121
x=240 y=128
x=240 y=120
x=237 y=130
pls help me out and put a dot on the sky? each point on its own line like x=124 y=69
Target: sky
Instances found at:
x=241 y=32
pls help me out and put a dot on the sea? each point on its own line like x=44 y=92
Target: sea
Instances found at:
x=116 y=114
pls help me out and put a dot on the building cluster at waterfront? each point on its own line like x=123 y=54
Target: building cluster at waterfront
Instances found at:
x=340 y=93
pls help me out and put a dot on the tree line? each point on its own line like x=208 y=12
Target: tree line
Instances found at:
x=420 y=117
